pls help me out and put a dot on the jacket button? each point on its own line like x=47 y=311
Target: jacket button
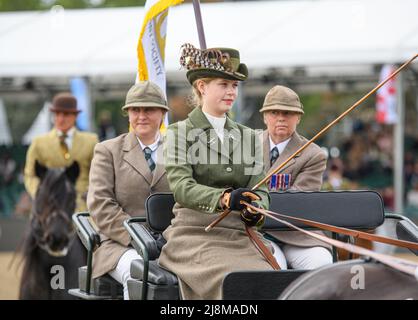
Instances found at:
x=228 y=169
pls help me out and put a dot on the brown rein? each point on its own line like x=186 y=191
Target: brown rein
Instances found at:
x=403 y=265
x=346 y=231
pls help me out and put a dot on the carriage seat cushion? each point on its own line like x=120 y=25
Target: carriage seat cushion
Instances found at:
x=405 y=230
x=156 y=275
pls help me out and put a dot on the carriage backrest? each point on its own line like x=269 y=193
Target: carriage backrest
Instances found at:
x=361 y=209
x=350 y=209
x=159 y=210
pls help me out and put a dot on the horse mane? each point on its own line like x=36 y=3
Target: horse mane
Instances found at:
x=55 y=192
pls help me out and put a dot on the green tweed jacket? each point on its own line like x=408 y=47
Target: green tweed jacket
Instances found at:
x=199 y=167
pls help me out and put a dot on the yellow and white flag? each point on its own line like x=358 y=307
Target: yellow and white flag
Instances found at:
x=151 y=44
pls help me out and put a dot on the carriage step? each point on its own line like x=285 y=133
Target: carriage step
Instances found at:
x=258 y=285
x=104 y=287
x=154 y=291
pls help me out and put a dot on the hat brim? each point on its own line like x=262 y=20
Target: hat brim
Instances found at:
x=281 y=107
x=144 y=105
x=241 y=74
x=52 y=109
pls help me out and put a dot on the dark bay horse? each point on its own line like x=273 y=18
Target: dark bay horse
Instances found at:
x=52 y=252
x=353 y=280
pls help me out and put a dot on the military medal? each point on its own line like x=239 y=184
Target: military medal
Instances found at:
x=280 y=181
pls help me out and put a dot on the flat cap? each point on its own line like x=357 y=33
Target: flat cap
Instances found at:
x=282 y=98
x=145 y=94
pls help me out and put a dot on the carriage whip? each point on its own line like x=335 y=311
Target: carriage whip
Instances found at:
x=326 y=128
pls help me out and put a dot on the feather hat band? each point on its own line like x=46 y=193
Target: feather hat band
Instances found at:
x=212 y=63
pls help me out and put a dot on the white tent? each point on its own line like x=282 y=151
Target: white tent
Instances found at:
x=41 y=125
x=267 y=33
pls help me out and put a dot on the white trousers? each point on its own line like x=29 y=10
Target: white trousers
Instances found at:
x=122 y=272
x=301 y=257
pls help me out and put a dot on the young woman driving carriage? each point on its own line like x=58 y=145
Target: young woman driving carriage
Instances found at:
x=212 y=163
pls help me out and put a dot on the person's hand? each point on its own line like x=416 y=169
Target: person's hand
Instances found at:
x=250 y=216
x=233 y=199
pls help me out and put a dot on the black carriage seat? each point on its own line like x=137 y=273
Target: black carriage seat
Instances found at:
x=407 y=230
x=150 y=281
x=352 y=209
x=361 y=210
x=104 y=287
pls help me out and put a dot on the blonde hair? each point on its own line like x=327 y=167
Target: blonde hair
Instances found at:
x=196 y=97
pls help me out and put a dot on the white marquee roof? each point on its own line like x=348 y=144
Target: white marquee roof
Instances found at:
x=267 y=33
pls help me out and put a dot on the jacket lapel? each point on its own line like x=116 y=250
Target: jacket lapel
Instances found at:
x=293 y=145
x=76 y=145
x=266 y=150
x=159 y=170
x=134 y=156
x=232 y=137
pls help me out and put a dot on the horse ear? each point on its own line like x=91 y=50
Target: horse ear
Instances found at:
x=73 y=172
x=40 y=170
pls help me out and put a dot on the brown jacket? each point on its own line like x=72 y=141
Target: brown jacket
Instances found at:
x=306 y=170
x=120 y=182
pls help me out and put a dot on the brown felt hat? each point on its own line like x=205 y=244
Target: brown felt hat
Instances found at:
x=64 y=102
x=145 y=94
x=282 y=98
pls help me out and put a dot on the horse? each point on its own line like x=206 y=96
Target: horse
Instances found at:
x=360 y=279
x=51 y=250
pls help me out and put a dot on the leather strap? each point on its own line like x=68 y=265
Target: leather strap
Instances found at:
x=346 y=231
x=400 y=264
x=262 y=248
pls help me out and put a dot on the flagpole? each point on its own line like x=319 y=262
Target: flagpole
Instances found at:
x=199 y=24
x=399 y=132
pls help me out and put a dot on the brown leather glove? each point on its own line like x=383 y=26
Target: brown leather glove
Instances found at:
x=233 y=199
x=252 y=217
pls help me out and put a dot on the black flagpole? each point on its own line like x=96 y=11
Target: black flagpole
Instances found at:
x=200 y=31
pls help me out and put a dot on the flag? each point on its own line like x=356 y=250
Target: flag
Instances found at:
x=80 y=89
x=151 y=44
x=386 y=98
x=41 y=125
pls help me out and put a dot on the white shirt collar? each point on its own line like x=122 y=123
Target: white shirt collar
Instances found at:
x=152 y=146
x=216 y=122
x=70 y=133
x=280 y=146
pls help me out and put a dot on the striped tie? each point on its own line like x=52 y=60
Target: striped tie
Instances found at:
x=274 y=154
x=148 y=158
x=64 y=147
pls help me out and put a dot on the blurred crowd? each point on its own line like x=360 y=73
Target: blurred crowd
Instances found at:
x=365 y=161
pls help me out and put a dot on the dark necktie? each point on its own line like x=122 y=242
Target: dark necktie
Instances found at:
x=274 y=154
x=64 y=147
x=148 y=158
